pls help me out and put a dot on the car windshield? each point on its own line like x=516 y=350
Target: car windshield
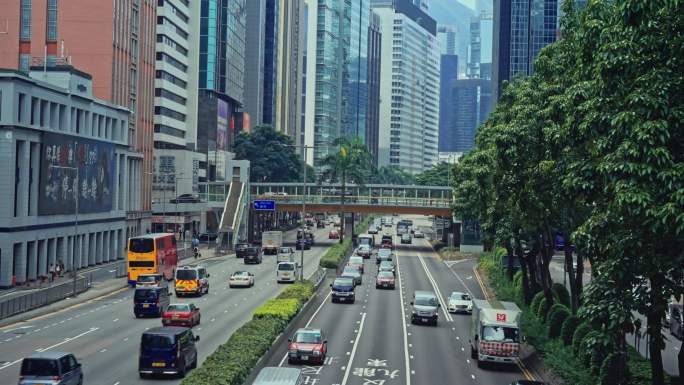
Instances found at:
x=286 y=267
x=241 y=274
x=146 y=294
x=186 y=274
x=308 y=337
x=141 y=245
x=384 y=252
x=178 y=307
x=385 y=274
x=499 y=334
x=147 y=278
x=343 y=282
x=426 y=301
x=460 y=297
x=386 y=266
x=241 y=245
x=350 y=270
x=356 y=260
x=156 y=341
x=284 y=250
x=39 y=367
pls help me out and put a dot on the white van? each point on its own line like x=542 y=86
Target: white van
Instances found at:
x=286 y=272
x=279 y=376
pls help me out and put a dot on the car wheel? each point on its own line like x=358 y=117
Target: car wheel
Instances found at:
x=182 y=370
x=137 y=315
x=194 y=363
x=207 y=290
x=230 y=286
x=473 y=353
x=142 y=375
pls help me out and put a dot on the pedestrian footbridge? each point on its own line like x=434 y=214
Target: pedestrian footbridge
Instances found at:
x=291 y=197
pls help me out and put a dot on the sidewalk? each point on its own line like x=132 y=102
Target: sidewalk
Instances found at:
x=99 y=290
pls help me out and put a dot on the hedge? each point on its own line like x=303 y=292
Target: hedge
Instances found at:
x=568 y=329
x=610 y=373
x=561 y=294
x=578 y=336
x=335 y=254
x=534 y=305
x=557 y=316
x=543 y=309
x=233 y=361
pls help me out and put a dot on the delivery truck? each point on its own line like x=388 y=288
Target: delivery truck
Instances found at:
x=495 y=332
x=271 y=241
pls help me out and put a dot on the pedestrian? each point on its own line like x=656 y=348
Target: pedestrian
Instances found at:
x=61 y=264
x=52 y=272
x=58 y=269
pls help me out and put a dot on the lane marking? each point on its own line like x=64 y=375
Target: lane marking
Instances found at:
x=482 y=286
x=353 y=352
x=403 y=324
x=447 y=315
x=68 y=339
x=459 y=279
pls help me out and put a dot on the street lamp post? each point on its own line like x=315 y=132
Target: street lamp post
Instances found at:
x=73 y=251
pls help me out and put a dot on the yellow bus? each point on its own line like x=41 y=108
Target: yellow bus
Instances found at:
x=152 y=254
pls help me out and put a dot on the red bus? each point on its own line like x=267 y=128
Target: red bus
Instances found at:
x=152 y=254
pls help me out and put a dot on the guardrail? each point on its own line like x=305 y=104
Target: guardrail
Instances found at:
x=42 y=297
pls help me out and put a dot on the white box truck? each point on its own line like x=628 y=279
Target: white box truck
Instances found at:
x=271 y=241
x=495 y=332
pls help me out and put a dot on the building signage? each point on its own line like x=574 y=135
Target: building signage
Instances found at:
x=221 y=125
x=264 y=205
x=60 y=156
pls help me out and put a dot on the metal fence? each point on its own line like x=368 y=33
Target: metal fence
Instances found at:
x=42 y=297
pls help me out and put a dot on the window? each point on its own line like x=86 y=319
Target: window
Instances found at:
x=169 y=95
x=144 y=264
x=170 y=78
x=168 y=59
x=164 y=129
x=169 y=113
x=20 y=107
x=25 y=33
x=52 y=20
x=24 y=62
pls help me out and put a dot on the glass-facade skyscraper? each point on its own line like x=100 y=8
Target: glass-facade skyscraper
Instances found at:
x=355 y=89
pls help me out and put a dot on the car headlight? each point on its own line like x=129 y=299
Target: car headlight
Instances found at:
x=316 y=353
x=414 y=312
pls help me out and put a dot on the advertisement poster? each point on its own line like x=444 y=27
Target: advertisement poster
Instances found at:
x=221 y=125
x=60 y=156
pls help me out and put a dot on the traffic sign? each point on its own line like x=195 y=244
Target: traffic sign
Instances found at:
x=264 y=205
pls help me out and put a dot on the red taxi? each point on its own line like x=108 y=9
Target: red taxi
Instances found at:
x=181 y=314
x=307 y=345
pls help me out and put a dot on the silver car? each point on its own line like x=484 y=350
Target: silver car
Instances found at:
x=50 y=368
x=354 y=273
x=424 y=307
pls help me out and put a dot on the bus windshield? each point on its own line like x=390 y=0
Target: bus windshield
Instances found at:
x=141 y=245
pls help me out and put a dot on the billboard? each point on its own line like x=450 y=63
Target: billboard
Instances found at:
x=221 y=125
x=60 y=156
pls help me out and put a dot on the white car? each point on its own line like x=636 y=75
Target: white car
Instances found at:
x=285 y=254
x=286 y=272
x=241 y=278
x=418 y=234
x=460 y=303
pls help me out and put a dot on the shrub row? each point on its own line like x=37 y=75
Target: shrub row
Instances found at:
x=233 y=361
x=335 y=255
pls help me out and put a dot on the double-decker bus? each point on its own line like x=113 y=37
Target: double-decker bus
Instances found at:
x=152 y=254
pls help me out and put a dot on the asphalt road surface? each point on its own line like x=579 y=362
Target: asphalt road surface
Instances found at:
x=104 y=334
x=373 y=341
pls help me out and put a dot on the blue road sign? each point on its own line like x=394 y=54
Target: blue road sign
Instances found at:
x=264 y=205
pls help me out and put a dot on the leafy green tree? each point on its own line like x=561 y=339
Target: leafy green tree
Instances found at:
x=392 y=175
x=271 y=155
x=438 y=175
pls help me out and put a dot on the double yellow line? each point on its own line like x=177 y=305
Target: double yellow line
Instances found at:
x=525 y=371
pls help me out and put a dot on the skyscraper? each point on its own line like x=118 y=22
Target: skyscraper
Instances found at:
x=270 y=60
x=448 y=73
x=446 y=34
x=374 y=66
x=409 y=87
x=337 y=66
x=115 y=43
x=254 y=60
x=470 y=104
x=521 y=29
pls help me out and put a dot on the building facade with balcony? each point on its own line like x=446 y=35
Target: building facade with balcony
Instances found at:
x=70 y=175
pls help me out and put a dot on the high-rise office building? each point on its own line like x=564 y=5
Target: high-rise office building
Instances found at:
x=254 y=60
x=470 y=104
x=374 y=66
x=409 y=87
x=288 y=83
x=337 y=56
x=448 y=43
x=521 y=29
x=271 y=18
x=220 y=83
x=120 y=58
x=448 y=72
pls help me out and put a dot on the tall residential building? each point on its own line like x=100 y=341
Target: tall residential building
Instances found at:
x=480 y=44
x=120 y=57
x=409 y=87
x=288 y=84
x=373 y=107
x=448 y=73
x=68 y=181
x=337 y=66
x=448 y=43
x=470 y=105
x=221 y=83
x=521 y=29
x=254 y=60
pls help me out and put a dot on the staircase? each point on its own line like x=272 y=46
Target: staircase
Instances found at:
x=231 y=217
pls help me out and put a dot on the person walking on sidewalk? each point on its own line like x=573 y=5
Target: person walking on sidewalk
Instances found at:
x=58 y=269
x=52 y=272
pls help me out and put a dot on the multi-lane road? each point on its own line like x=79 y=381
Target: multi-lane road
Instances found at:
x=104 y=334
x=373 y=341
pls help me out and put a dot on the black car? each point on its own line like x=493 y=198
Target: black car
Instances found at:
x=241 y=249
x=303 y=244
x=252 y=255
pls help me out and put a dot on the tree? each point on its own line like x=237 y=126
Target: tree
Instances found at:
x=351 y=163
x=392 y=175
x=271 y=155
x=438 y=175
